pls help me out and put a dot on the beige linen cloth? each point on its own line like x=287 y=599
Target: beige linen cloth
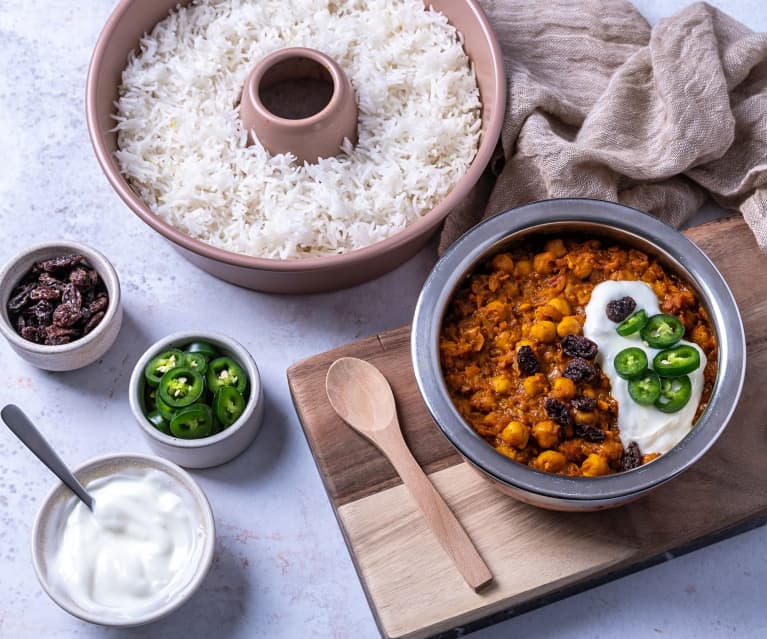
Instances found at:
x=600 y=105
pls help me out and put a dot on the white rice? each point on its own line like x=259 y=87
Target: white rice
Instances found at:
x=183 y=148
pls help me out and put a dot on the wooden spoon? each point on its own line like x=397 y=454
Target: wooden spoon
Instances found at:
x=362 y=397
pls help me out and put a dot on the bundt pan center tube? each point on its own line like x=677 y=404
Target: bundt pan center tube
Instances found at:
x=121 y=35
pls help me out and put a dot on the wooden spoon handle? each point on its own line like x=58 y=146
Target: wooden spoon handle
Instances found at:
x=440 y=518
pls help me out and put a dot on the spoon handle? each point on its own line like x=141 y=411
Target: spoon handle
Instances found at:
x=25 y=430
x=440 y=518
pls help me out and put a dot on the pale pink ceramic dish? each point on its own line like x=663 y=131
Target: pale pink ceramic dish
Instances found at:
x=121 y=34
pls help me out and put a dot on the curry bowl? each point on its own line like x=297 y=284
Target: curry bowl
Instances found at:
x=620 y=225
x=121 y=36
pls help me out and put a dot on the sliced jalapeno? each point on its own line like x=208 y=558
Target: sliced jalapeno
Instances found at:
x=206 y=348
x=196 y=361
x=630 y=363
x=192 y=422
x=645 y=390
x=662 y=331
x=632 y=324
x=158 y=421
x=150 y=398
x=168 y=412
x=675 y=392
x=224 y=371
x=228 y=405
x=181 y=386
x=677 y=361
x=161 y=364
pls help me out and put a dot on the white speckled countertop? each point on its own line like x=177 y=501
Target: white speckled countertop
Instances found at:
x=281 y=567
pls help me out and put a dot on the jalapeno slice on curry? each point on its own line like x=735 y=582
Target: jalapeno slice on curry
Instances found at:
x=224 y=371
x=645 y=390
x=630 y=363
x=192 y=422
x=228 y=405
x=677 y=361
x=662 y=331
x=632 y=324
x=161 y=364
x=675 y=392
x=181 y=386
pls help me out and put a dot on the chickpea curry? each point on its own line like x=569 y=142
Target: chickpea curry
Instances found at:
x=522 y=374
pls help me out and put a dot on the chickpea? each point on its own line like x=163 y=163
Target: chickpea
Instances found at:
x=516 y=434
x=500 y=384
x=587 y=418
x=550 y=461
x=595 y=465
x=524 y=306
x=536 y=384
x=495 y=307
x=523 y=267
x=544 y=262
x=503 y=262
x=507 y=450
x=562 y=305
x=582 y=269
x=563 y=388
x=544 y=331
x=503 y=341
x=570 y=325
x=548 y=312
x=557 y=247
x=546 y=433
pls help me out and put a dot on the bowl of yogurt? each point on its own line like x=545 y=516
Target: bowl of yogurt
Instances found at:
x=139 y=555
x=542 y=388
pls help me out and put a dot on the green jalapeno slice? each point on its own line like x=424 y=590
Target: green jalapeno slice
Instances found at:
x=677 y=361
x=161 y=364
x=181 y=386
x=192 y=422
x=675 y=392
x=224 y=371
x=228 y=405
x=645 y=390
x=196 y=361
x=662 y=331
x=206 y=348
x=167 y=411
x=632 y=324
x=630 y=363
x=158 y=421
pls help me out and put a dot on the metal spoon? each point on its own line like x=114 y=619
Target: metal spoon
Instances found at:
x=33 y=439
x=362 y=397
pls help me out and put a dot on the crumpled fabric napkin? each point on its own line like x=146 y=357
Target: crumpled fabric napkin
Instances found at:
x=601 y=105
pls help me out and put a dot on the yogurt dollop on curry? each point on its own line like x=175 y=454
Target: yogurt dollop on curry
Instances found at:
x=528 y=351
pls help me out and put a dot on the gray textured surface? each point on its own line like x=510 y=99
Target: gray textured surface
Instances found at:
x=281 y=568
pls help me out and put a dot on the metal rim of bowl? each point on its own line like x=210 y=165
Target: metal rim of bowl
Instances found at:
x=174 y=340
x=96 y=260
x=181 y=597
x=429 y=220
x=582 y=215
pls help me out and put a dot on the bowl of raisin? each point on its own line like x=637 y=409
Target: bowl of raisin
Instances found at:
x=60 y=305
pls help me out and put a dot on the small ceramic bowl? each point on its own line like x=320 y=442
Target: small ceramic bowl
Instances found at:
x=215 y=449
x=82 y=351
x=59 y=502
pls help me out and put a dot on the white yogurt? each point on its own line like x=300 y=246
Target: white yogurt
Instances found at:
x=139 y=546
x=653 y=430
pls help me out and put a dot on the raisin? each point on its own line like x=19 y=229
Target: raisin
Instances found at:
x=41 y=312
x=580 y=370
x=20 y=297
x=80 y=277
x=66 y=315
x=32 y=333
x=57 y=263
x=527 y=361
x=46 y=279
x=632 y=457
x=618 y=310
x=93 y=322
x=72 y=296
x=583 y=403
x=44 y=293
x=99 y=304
x=558 y=411
x=590 y=433
x=55 y=335
x=579 y=346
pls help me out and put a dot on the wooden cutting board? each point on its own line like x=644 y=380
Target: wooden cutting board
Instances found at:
x=536 y=556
